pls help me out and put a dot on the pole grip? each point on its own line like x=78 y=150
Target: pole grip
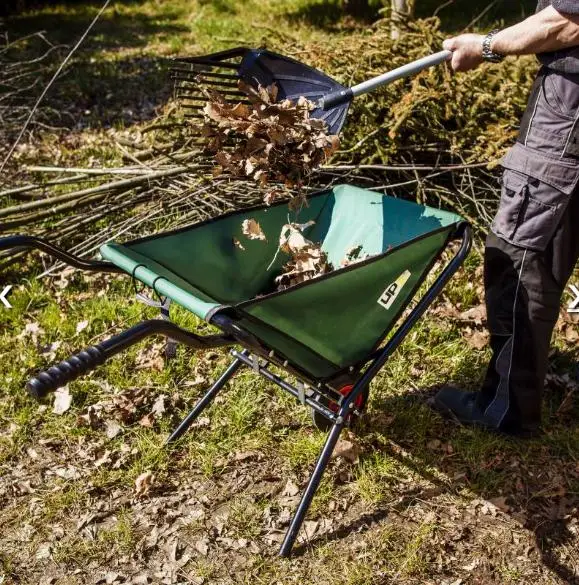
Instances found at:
x=92 y=357
x=66 y=371
x=401 y=72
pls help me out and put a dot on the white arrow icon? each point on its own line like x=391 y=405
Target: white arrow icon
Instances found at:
x=3 y=296
x=574 y=305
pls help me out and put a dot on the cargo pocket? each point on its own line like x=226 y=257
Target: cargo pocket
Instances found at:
x=534 y=196
x=513 y=189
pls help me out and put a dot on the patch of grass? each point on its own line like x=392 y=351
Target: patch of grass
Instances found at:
x=70 y=497
x=246 y=518
x=116 y=540
x=325 y=494
x=150 y=455
x=301 y=447
x=411 y=559
x=375 y=476
x=511 y=574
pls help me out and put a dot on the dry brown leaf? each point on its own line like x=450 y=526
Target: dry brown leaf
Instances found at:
x=500 y=503
x=143 y=483
x=148 y=420
x=571 y=334
x=113 y=428
x=81 y=326
x=478 y=339
x=202 y=546
x=347 y=448
x=159 y=406
x=151 y=358
x=290 y=489
x=252 y=230
x=62 y=400
x=567 y=403
x=478 y=315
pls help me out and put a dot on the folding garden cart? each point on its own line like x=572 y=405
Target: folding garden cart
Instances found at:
x=332 y=334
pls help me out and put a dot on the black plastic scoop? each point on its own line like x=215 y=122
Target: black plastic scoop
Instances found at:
x=293 y=79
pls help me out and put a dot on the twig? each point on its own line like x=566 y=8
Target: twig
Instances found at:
x=89 y=171
x=52 y=80
x=481 y=15
x=403 y=167
x=101 y=189
x=442 y=7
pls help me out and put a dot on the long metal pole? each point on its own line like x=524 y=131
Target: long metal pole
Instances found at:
x=404 y=71
x=346 y=94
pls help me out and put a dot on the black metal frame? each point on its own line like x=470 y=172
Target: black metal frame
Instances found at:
x=313 y=393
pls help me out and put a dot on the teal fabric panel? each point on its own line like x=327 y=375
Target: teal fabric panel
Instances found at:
x=339 y=317
x=354 y=216
x=206 y=256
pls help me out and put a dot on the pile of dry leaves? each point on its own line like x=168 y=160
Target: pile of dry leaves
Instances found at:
x=307 y=259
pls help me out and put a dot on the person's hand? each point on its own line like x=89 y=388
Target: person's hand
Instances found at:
x=466 y=51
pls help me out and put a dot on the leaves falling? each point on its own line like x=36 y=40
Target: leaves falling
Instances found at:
x=272 y=141
x=266 y=140
x=251 y=229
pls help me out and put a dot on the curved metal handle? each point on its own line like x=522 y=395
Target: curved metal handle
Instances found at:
x=27 y=242
x=89 y=359
x=66 y=371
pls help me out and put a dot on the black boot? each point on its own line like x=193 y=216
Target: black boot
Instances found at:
x=463 y=407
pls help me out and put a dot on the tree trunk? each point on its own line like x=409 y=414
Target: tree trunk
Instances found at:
x=402 y=12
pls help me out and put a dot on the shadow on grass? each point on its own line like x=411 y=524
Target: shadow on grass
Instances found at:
x=332 y=15
x=459 y=14
x=537 y=478
x=124 y=25
x=121 y=87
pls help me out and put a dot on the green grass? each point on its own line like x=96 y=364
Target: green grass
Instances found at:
x=406 y=449
x=396 y=511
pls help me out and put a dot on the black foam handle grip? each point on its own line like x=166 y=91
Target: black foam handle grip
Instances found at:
x=66 y=371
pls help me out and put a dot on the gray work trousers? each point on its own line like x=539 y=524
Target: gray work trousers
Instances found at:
x=531 y=251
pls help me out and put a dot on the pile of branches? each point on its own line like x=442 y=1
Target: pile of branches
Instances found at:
x=436 y=138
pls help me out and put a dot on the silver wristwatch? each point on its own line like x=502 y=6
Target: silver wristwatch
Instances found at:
x=487 y=52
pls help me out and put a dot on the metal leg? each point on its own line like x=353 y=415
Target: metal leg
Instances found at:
x=308 y=495
x=205 y=401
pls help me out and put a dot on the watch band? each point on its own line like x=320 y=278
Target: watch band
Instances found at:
x=487 y=53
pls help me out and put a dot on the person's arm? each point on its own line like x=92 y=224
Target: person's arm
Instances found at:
x=548 y=30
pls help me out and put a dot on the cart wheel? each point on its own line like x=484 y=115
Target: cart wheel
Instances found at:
x=323 y=424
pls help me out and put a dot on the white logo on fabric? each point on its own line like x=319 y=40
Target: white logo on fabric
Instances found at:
x=574 y=304
x=3 y=296
x=393 y=290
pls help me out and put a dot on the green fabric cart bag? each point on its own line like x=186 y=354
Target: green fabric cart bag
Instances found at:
x=322 y=325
